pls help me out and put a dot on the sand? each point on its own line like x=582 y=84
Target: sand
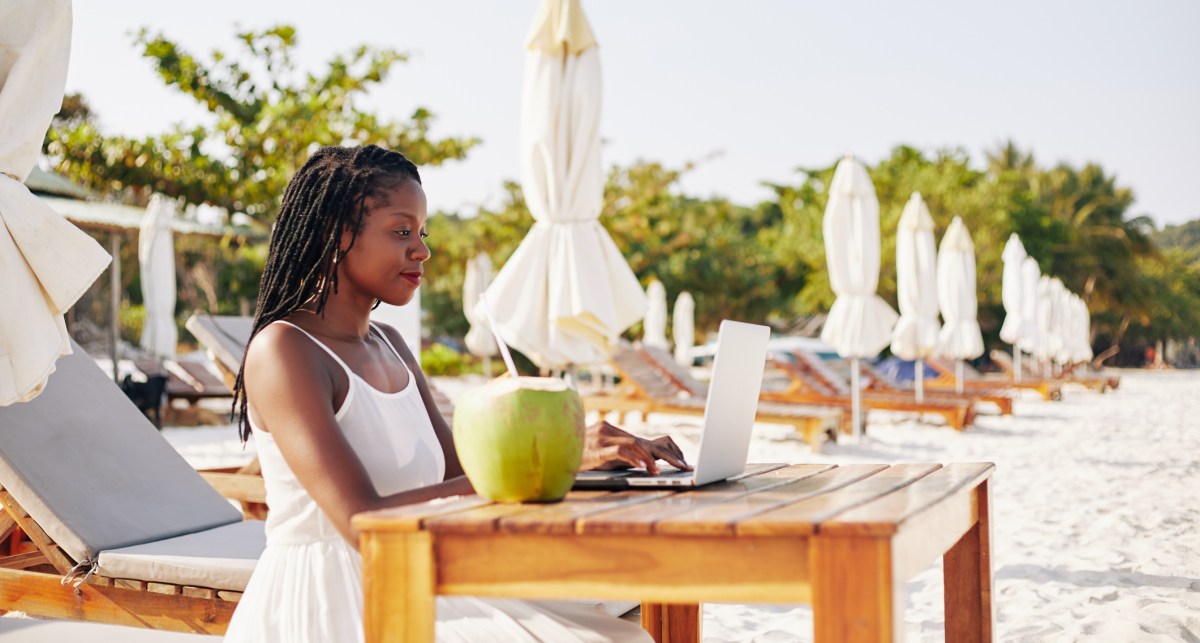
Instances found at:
x=1095 y=510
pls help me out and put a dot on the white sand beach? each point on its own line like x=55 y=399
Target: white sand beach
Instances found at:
x=1095 y=510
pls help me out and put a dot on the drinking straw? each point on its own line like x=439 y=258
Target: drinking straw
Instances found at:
x=508 y=360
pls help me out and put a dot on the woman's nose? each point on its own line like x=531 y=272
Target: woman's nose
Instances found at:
x=420 y=251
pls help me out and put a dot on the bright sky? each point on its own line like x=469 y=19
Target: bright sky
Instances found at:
x=770 y=86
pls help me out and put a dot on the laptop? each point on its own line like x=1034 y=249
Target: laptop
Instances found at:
x=729 y=411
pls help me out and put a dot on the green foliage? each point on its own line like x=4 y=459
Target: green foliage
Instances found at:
x=1184 y=238
x=267 y=117
x=441 y=360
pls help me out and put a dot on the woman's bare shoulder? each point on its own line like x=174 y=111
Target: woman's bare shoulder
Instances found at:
x=283 y=350
x=396 y=340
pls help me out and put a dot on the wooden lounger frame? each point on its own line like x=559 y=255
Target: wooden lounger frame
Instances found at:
x=999 y=395
x=810 y=386
x=32 y=567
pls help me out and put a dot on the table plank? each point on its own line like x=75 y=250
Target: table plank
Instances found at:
x=721 y=518
x=486 y=518
x=886 y=515
x=805 y=517
x=410 y=517
x=640 y=519
x=560 y=518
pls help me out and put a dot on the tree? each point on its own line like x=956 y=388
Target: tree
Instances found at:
x=267 y=118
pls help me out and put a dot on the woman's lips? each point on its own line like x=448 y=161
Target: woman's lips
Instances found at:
x=413 y=277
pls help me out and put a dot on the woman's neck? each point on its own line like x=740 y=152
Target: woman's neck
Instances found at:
x=343 y=317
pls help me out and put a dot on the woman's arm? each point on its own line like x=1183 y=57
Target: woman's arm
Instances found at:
x=290 y=385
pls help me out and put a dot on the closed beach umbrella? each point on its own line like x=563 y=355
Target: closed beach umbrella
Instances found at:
x=916 y=333
x=859 y=323
x=1083 y=331
x=479 y=340
x=683 y=327
x=1011 y=295
x=1066 y=325
x=46 y=263
x=1030 y=334
x=566 y=293
x=960 y=338
x=156 y=262
x=1047 y=320
x=654 y=326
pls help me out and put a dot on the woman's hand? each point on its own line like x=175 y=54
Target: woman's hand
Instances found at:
x=608 y=447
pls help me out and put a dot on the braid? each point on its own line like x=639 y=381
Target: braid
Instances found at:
x=324 y=199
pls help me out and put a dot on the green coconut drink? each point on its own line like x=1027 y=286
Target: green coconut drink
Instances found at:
x=520 y=439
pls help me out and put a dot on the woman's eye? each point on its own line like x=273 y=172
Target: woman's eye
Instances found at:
x=424 y=235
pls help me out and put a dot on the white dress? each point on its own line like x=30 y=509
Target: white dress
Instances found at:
x=307 y=587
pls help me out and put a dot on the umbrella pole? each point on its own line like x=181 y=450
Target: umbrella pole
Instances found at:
x=487 y=366
x=1016 y=364
x=919 y=380
x=958 y=376
x=856 y=399
x=114 y=330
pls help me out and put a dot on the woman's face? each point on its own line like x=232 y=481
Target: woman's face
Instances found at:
x=386 y=260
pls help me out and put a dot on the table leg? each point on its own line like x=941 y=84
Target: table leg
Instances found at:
x=856 y=598
x=967 y=574
x=398 y=587
x=672 y=622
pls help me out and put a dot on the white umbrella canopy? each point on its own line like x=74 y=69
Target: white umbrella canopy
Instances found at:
x=479 y=340
x=156 y=262
x=859 y=323
x=1047 y=345
x=916 y=333
x=683 y=327
x=960 y=338
x=46 y=262
x=1012 y=295
x=1010 y=289
x=1067 y=346
x=654 y=326
x=566 y=293
x=1083 y=331
x=1030 y=335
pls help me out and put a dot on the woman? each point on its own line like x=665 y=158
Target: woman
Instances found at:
x=343 y=420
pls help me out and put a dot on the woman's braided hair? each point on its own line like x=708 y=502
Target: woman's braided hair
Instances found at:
x=325 y=199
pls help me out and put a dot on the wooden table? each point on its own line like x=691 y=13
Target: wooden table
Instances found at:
x=843 y=538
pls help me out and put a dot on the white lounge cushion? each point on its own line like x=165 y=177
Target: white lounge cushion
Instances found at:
x=27 y=630
x=218 y=558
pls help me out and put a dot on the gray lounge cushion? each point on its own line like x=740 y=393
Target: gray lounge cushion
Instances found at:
x=218 y=558
x=27 y=630
x=93 y=471
x=224 y=336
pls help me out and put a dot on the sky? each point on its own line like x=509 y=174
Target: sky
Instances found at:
x=751 y=90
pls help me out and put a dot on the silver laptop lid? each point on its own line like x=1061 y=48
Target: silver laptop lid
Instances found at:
x=737 y=375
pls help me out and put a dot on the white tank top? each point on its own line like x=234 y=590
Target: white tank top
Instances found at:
x=390 y=432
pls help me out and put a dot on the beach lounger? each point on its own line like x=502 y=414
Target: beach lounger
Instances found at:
x=877 y=381
x=651 y=382
x=104 y=521
x=1096 y=382
x=1049 y=389
x=813 y=381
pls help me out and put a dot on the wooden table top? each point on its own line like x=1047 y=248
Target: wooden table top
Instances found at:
x=797 y=500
